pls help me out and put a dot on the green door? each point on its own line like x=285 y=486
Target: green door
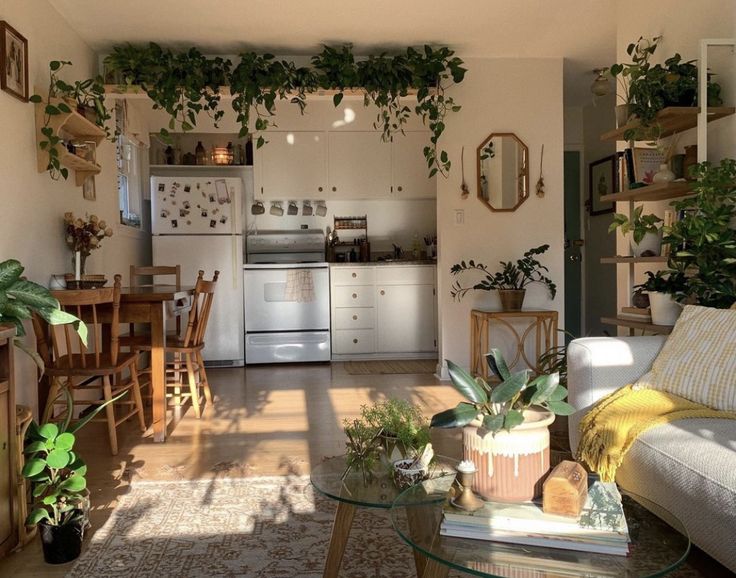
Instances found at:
x=573 y=245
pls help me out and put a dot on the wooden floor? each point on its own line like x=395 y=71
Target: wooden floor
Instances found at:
x=268 y=420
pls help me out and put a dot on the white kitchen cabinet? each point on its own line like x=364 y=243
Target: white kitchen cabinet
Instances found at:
x=359 y=165
x=292 y=165
x=410 y=169
x=383 y=311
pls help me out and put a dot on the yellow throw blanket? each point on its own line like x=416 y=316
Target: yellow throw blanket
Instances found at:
x=614 y=423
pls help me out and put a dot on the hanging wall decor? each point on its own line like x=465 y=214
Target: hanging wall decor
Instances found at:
x=13 y=62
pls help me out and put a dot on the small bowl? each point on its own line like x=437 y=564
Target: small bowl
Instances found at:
x=405 y=477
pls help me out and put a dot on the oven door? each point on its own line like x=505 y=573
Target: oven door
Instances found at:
x=287 y=298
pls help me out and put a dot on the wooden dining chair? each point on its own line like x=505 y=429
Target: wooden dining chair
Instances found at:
x=186 y=352
x=153 y=272
x=98 y=365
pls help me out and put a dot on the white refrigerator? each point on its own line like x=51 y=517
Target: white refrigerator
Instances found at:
x=197 y=223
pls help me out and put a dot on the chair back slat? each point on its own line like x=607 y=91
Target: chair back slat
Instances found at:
x=154 y=271
x=84 y=304
x=204 y=293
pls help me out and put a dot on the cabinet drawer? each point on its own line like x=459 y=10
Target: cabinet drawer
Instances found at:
x=355 y=296
x=397 y=275
x=353 y=341
x=353 y=275
x=355 y=318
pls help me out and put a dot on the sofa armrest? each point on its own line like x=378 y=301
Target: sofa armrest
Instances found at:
x=597 y=366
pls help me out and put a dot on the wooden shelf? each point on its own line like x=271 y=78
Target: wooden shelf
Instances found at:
x=630 y=259
x=673 y=119
x=81 y=167
x=199 y=167
x=132 y=91
x=654 y=192
x=633 y=324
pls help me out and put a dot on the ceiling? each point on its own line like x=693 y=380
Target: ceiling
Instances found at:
x=581 y=31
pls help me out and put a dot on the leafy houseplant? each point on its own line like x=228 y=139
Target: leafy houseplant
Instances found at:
x=703 y=241
x=663 y=287
x=513 y=277
x=506 y=427
x=20 y=298
x=58 y=483
x=61 y=96
x=363 y=448
x=644 y=231
x=402 y=425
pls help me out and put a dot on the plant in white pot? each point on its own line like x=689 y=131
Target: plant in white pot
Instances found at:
x=646 y=235
x=662 y=288
x=510 y=281
x=506 y=427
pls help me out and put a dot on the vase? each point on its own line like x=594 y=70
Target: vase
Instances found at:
x=82 y=256
x=649 y=246
x=511 y=299
x=511 y=465
x=664 y=174
x=665 y=310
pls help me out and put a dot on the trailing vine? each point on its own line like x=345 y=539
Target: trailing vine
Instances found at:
x=187 y=83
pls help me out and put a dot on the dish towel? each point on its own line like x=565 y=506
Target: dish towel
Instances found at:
x=613 y=424
x=299 y=286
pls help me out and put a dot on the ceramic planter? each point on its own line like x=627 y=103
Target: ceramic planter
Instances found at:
x=511 y=299
x=665 y=310
x=511 y=464
x=405 y=477
x=61 y=544
x=650 y=245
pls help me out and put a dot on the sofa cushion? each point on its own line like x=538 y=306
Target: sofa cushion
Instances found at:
x=689 y=467
x=698 y=361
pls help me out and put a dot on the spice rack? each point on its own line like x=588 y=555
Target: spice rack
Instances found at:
x=357 y=224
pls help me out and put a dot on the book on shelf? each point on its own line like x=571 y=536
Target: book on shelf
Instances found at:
x=601 y=526
x=636 y=314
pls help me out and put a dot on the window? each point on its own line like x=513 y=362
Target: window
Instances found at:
x=130 y=179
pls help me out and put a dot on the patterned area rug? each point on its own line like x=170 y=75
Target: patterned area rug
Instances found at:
x=269 y=527
x=391 y=366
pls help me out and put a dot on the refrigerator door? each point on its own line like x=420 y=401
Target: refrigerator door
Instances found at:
x=196 y=205
x=225 y=332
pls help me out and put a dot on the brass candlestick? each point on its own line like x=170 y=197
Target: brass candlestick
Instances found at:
x=467 y=500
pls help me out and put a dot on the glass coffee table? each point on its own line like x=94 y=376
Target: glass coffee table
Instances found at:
x=659 y=543
x=352 y=492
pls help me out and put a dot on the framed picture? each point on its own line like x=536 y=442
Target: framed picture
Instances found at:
x=13 y=62
x=646 y=164
x=88 y=188
x=602 y=181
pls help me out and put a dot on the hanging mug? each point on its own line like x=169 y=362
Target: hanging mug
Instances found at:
x=292 y=209
x=307 y=209
x=276 y=209
x=321 y=209
x=257 y=208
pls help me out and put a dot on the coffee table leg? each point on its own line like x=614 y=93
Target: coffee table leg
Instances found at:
x=340 y=533
x=434 y=569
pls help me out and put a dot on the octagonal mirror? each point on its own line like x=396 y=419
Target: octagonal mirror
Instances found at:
x=503 y=171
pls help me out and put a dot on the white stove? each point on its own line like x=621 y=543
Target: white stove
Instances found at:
x=287 y=297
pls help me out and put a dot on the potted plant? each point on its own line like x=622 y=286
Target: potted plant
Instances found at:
x=645 y=234
x=506 y=427
x=662 y=288
x=510 y=281
x=362 y=448
x=703 y=241
x=58 y=483
x=404 y=431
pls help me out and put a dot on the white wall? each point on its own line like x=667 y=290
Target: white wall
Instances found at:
x=682 y=28
x=34 y=205
x=523 y=96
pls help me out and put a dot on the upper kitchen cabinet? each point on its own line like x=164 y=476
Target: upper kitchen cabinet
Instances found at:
x=410 y=167
x=359 y=165
x=292 y=165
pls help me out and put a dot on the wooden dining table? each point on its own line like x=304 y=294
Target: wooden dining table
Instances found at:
x=147 y=304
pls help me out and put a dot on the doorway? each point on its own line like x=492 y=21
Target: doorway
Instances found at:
x=574 y=245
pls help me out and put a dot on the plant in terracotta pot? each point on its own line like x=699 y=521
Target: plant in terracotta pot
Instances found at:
x=511 y=281
x=505 y=427
x=663 y=287
x=645 y=233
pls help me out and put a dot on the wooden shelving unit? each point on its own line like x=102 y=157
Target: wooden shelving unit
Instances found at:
x=134 y=92
x=654 y=192
x=633 y=324
x=629 y=259
x=78 y=128
x=673 y=119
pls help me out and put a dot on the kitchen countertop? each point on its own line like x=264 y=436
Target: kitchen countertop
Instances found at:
x=385 y=263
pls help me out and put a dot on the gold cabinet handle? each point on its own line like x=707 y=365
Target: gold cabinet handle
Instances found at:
x=355 y=317
x=334 y=189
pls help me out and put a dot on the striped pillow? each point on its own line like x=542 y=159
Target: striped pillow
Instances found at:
x=698 y=360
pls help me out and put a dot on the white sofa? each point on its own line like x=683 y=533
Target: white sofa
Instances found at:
x=688 y=466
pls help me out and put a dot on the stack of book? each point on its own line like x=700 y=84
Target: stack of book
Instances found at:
x=601 y=527
x=642 y=314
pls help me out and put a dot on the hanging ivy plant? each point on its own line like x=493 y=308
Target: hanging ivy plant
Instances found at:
x=336 y=70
